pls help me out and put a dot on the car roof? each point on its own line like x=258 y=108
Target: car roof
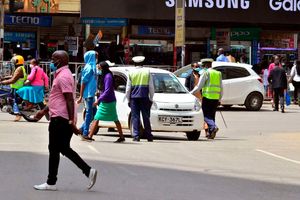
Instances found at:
x=126 y=69
x=231 y=64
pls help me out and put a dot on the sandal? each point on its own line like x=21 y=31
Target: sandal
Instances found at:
x=120 y=140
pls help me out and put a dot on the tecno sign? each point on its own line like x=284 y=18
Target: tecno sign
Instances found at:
x=25 y=20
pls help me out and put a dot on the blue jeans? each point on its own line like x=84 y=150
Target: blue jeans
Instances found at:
x=89 y=115
x=138 y=106
x=15 y=103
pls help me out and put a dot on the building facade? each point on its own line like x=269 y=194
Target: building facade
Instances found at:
x=43 y=27
x=252 y=30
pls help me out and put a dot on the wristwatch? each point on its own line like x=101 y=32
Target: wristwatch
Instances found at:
x=70 y=122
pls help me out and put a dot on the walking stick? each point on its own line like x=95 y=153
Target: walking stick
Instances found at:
x=223 y=118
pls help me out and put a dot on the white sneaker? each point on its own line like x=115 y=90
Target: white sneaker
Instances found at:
x=92 y=178
x=45 y=186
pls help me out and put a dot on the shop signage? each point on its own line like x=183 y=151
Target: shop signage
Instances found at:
x=180 y=24
x=242 y=11
x=104 y=22
x=45 y=21
x=21 y=37
x=244 y=34
x=72 y=43
x=154 y=30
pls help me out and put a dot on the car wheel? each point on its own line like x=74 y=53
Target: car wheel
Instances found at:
x=254 y=101
x=142 y=136
x=193 y=135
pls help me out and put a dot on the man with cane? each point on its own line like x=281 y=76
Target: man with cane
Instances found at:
x=211 y=84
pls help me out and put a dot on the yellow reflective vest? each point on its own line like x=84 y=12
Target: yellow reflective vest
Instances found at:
x=212 y=89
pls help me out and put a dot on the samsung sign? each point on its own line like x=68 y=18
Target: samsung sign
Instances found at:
x=45 y=21
x=220 y=4
x=241 y=11
x=286 y=5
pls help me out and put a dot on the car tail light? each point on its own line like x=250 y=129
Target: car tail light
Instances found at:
x=260 y=80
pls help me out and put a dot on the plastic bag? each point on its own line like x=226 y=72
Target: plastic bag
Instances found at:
x=287 y=99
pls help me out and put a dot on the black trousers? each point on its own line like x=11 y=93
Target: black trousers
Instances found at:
x=296 y=90
x=209 y=108
x=60 y=134
x=278 y=98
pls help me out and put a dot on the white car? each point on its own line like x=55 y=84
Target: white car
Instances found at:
x=174 y=109
x=242 y=86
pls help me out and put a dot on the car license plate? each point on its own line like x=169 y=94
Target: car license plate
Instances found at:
x=171 y=120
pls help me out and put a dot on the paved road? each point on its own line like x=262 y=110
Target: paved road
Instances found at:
x=257 y=157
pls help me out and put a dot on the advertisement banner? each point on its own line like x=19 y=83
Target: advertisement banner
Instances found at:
x=223 y=38
x=72 y=44
x=242 y=11
x=180 y=24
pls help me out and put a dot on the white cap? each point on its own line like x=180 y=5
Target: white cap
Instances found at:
x=110 y=63
x=204 y=60
x=138 y=59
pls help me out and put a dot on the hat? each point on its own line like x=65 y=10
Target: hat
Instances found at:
x=106 y=63
x=138 y=59
x=206 y=60
x=110 y=63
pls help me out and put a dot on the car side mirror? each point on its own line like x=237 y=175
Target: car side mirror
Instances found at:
x=121 y=88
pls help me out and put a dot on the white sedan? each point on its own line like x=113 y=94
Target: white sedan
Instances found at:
x=242 y=86
x=174 y=109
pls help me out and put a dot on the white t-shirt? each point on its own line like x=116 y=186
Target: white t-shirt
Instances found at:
x=295 y=74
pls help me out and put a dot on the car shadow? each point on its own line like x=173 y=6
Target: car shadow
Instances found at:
x=167 y=139
x=241 y=109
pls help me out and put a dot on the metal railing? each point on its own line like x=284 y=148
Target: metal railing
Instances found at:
x=7 y=69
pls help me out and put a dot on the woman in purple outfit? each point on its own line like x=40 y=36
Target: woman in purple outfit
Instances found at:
x=107 y=102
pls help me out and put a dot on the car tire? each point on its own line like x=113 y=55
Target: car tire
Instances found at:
x=193 y=135
x=254 y=101
x=142 y=135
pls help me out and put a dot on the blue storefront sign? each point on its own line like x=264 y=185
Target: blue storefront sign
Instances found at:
x=27 y=39
x=104 y=22
x=44 y=21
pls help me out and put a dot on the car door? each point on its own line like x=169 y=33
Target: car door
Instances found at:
x=226 y=84
x=122 y=104
x=239 y=81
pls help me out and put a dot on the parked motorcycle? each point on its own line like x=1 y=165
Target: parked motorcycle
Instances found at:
x=6 y=105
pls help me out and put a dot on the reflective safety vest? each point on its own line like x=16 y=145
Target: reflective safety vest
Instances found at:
x=20 y=82
x=212 y=88
x=139 y=83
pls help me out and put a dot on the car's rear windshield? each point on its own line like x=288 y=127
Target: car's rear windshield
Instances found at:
x=167 y=83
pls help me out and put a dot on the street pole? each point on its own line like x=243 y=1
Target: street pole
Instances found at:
x=180 y=28
x=2 y=30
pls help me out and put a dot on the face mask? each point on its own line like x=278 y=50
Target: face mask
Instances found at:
x=53 y=68
x=99 y=72
x=31 y=65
